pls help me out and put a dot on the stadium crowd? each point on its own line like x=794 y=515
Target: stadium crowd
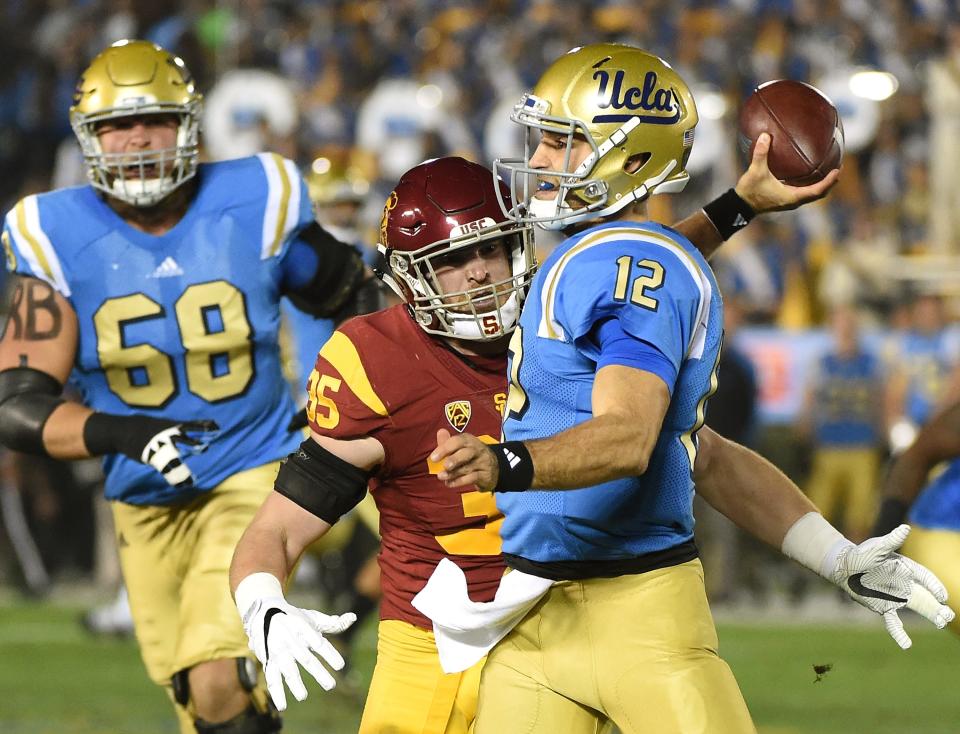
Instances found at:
x=359 y=91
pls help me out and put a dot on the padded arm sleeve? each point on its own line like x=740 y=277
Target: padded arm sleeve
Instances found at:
x=320 y=482
x=27 y=398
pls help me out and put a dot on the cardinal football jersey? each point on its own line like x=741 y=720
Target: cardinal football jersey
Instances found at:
x=382 y=376
x=183 y=325
x=662 y=292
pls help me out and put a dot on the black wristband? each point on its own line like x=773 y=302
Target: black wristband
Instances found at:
x=516 y=467
x=729 y=213
x=892 y=513
x=104 y=433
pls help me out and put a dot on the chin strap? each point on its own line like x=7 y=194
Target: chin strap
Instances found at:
x=552 y=214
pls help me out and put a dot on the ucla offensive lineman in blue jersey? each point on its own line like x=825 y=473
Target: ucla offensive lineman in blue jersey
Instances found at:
x=157 y=334
x=923 y=485
x=605 y=616
x=156 y=289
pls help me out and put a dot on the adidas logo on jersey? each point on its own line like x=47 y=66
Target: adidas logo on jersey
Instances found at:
x=512 y=458
x=167 y=269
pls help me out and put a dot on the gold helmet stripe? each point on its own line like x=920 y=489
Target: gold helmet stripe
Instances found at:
x=340 y=352
x=283 y=202
x=34 y=245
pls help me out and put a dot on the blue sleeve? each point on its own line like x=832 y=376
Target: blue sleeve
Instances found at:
x=298 y=265
x=299 y=261
x=617 y=347
x=655 y=290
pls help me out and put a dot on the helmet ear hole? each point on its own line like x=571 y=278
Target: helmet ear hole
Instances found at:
x=635 y=162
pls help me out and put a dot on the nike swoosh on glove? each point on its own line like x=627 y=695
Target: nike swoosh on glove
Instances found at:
x=283 y=636
x=884 y=581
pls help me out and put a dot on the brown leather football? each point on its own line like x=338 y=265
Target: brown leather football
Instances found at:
x=806 y=130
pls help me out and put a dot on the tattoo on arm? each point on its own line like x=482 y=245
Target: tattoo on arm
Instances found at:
x=39 y=304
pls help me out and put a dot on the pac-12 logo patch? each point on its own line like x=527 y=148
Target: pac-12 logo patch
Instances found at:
x=458 y=414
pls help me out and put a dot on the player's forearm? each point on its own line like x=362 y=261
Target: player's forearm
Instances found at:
x=748 y=489
x=601 y=449
x=262 y=549
x=63 y=432
x=701 y=232
x=938 y=441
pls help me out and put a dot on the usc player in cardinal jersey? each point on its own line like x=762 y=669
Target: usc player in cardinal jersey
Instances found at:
x=382 y=387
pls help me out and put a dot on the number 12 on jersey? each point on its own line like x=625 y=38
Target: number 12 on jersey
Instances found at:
x=650 y=279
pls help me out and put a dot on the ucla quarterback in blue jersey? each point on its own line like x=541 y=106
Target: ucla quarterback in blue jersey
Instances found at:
x=604 y=617
x=660 y=292
x=156 y=291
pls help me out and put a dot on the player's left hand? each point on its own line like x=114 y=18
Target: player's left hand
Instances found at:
x=465 y=461
x=283 y=636
x=884 y=581
x=765 y=193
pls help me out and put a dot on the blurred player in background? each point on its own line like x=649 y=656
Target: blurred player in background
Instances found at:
x=157 y=286
x=844 y=418
x=923 y=488
x=611 y=364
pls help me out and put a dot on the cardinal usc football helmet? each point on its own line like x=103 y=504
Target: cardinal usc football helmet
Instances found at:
x=636 y=113
x=442 y=213
x=137 y=78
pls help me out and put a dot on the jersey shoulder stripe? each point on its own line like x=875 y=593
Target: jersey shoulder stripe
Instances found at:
x=282 y=213
x=550 y=326
x=343 y=356
x=33 y=245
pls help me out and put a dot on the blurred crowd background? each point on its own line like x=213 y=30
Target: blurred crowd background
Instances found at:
x=841 y=317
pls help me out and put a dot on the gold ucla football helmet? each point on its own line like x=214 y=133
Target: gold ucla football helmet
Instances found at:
x=137 y=78
x=638 y=116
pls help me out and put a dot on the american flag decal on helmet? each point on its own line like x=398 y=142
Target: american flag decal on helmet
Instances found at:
x=458 y=414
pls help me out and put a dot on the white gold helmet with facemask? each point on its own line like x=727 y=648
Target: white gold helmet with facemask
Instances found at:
x=441 y=213
x=633 y=109
x=137 y=78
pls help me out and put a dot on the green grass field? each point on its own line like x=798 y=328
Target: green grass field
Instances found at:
x=54 y=679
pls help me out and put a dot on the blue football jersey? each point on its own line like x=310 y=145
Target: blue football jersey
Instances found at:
x=183 y=325
x=845 y=393
x=662 y=292
x=938 y=506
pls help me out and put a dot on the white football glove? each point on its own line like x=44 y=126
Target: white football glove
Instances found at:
x=884 y=581
x=872 y=573
x=283 y=636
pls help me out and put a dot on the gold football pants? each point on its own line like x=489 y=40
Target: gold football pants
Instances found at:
x=410 y=693
x=638 y=650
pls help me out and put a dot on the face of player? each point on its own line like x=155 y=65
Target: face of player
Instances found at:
x=467 y=268
x=138 y=134
x=551 y=155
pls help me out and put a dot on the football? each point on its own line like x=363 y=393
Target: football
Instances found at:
x=805 y=127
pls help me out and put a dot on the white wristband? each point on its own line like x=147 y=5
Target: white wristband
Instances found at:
x=814 y=543
x=256 y=586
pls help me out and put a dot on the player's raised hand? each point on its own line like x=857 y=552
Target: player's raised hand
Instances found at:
x=765 y=193
x=884 y=581
x=285 y=638
x=465 y=460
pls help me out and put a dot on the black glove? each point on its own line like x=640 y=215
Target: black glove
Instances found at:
x=160 y=442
